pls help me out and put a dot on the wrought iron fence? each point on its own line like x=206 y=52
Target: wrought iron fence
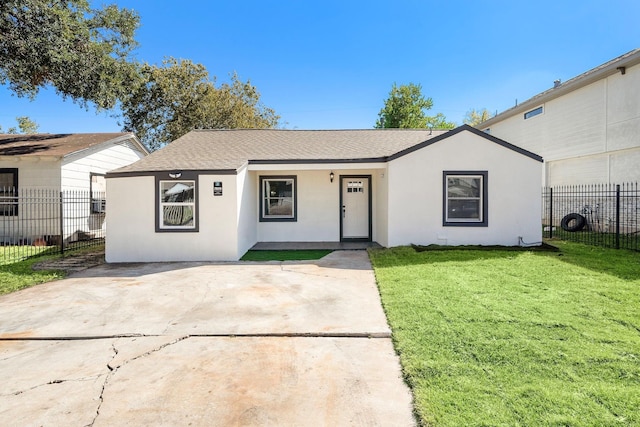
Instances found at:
x=40 y=221
x=600 y=214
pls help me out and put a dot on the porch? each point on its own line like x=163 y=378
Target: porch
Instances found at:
x=335 y=246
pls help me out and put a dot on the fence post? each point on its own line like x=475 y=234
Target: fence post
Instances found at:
x=618 y=216
x=61 y=223
x=550 y=212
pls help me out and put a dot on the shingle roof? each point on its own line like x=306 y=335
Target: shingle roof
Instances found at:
x=233 y=148
x=56 y=145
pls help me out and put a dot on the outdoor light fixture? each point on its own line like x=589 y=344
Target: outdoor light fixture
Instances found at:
x=175 y=175
x=331 y=175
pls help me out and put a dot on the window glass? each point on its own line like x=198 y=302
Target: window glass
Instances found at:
x=278 y=198
x=177 y=204
x=465 y=198
x=533 y=113
x=8 y=192
x=98 y=188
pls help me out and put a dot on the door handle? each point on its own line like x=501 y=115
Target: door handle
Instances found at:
x=344 y=210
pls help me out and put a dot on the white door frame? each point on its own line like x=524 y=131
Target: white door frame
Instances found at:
x=367 y=238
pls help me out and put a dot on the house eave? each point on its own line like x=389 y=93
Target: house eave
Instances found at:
x=610 y=68
x=114 y=141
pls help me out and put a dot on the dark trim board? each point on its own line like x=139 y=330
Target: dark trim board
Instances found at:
x=261 y=216
x=475 y=131
x=485 y=199
x=167 y=172
x=187 y=175
x=370 y=210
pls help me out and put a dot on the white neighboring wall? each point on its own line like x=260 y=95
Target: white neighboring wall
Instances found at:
x=77 y=167
x=416 y=194
x=587 y=135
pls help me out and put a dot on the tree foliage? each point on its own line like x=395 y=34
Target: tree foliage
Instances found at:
x=406 y=108
x=80 y=51
x=475 y=117
x=25 y=125
x=179 y=96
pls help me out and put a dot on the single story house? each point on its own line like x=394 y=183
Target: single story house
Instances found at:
x=36 y=168
x=213 y=194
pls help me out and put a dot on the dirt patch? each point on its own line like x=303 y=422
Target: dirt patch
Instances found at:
x=72 y=263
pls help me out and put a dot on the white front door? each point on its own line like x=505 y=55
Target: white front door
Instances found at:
x=356 y=208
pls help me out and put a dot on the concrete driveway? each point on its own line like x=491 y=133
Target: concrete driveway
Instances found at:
x=216 y=344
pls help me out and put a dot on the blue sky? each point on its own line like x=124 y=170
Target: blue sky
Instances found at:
x=330 y=64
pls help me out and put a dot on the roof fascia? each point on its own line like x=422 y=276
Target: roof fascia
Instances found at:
x=473 y=130
x=571 y=85
x=113 y=141
x=317 y=161
x=156 y=172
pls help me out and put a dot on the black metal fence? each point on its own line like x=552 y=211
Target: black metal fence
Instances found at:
x=600 y=214
x=42 y=221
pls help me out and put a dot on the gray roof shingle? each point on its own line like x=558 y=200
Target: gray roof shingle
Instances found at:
x=56 y=145
x=233 y=148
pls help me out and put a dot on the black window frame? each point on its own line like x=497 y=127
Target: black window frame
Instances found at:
x=484 y=199
x=294 y=197
x=535 y=112
x=177 y=177
x=13 y=191
x=98 y=204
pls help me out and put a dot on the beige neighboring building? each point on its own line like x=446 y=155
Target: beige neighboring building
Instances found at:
x=587 y=129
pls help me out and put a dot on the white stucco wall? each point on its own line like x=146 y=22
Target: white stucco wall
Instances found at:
x=318 y=217
x=416 y=194
x=247 y=202
x=595 y=127
x=131 y=234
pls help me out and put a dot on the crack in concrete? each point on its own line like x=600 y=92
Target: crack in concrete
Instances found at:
x=104 y=384
x=367 y=335
x=57 y=381
x=77 y=338
x=114 y=369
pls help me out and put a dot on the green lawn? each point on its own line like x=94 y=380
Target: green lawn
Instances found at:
x=19 y=275
x=285 y=255
x=503 y=338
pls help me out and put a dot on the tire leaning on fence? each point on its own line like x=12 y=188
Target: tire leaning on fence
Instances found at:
x=573 y=222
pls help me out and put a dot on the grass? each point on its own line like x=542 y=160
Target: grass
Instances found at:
x=11 y=254
x=19 y=275
x=285 y=255
x=504 y=338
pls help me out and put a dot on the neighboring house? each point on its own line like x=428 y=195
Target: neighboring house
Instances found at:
x=38 y=164
x=587 y=128
x=213 y=194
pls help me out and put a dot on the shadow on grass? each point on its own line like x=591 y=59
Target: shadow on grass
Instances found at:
x=623 y=264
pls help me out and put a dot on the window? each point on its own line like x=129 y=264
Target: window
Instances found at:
x=533 y=113
x=177 y=205
x=465 y=198
x=278 y=198
x=97 y=188
x=355 y=187
x=8 y=192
